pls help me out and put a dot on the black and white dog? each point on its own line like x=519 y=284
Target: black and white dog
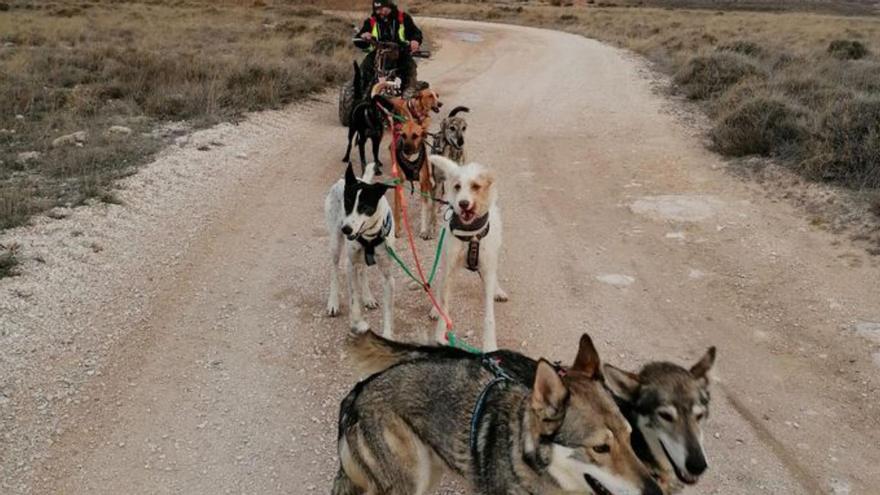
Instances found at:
x=359 y=220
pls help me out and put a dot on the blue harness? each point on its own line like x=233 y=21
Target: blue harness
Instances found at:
x=493 y=365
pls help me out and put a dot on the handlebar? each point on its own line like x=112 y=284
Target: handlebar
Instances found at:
x=389 y=45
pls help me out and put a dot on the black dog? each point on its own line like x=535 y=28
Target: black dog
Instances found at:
x=367 y=122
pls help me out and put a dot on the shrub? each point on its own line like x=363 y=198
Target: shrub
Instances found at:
x=847 y=49
x=762 y=125
x=850 y=132
x=705 y=76
x=743 y=47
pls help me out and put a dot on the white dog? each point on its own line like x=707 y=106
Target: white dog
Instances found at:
x=474 y=241
x=359 y=220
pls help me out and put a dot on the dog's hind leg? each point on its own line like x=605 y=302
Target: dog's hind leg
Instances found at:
x=377 y=141
x=362 y=145
x=358 y=324
x=336 y=242
x=367 y=294
x=351 y=135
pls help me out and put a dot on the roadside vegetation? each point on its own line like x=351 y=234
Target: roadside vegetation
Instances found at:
x=87 y=88
x=801 y=87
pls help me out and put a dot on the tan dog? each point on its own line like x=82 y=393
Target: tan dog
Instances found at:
x=419 y=107
x=412 y=158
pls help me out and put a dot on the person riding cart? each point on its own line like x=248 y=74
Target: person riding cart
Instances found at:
x=390 y=24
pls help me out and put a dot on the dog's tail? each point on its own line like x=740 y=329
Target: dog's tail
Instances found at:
x=358 y=84
x=373 y=354
x=455 y=111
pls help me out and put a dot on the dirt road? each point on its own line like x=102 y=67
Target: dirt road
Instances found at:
x=198 y=361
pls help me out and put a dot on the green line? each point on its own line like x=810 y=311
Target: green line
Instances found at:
x=437 y=256
x=460 y=344
x=401 y=263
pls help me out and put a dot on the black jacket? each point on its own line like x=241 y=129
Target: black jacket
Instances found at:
x=389 y=25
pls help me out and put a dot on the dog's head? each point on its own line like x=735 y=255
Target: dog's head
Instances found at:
x=413 y=136
x=670 y=403
x=453 y=127
x=361 y=200
x=470 y=189
x=576 y=418
x=428 y=100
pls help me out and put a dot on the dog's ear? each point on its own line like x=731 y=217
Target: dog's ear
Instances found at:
x=702 y=371
x=549 y=396
x=350 y=178
x=587 y=360
x=623 y=384
x=449 y=167
x=488 y=177
x=423 y=85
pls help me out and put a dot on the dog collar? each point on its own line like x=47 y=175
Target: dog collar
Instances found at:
x=493 y=365
x=370 y=245
x=472 y=234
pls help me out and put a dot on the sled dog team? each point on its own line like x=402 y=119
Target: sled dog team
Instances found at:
x=506 y=423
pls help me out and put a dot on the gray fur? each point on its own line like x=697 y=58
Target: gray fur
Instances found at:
x=401 y=428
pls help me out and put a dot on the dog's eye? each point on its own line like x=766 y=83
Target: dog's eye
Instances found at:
x=701 y=416
x=602 y=449
x=666 y=416
x=457 y=187
x=475 y=187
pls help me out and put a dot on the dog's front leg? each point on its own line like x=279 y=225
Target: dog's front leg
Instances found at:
x=369 y=300
x=428 y=214
x=490 y=286
x=449 y=265
x=388 y=298
x=336 y=243
x=354 y=291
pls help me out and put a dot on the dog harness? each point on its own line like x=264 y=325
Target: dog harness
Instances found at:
x=472 y=234
x=370 y=245
x=409 y=167
x=492 y=364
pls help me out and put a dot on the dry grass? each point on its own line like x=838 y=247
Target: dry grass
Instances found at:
x=88 y=66
x=802 y=87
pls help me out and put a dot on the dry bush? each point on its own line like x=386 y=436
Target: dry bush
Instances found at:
x=706 y=76
x=781 y=84
x=847 y=49
x=761 y=125
x=89 y=66
x=850 y=142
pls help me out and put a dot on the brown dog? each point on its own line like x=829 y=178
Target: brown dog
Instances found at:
x=412 y=158
x=419 y=107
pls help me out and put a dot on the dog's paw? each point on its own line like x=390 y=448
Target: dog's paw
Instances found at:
x=426 y=235
x=501 y=296
x=371 y=303
x=434 y=315
x=360 y=327
x=333 y=310
x=413 y=285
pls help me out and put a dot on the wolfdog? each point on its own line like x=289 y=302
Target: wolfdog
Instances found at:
x=400 y=428
x=664 y=403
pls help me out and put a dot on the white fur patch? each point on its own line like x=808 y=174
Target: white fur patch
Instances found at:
x=569 y=473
